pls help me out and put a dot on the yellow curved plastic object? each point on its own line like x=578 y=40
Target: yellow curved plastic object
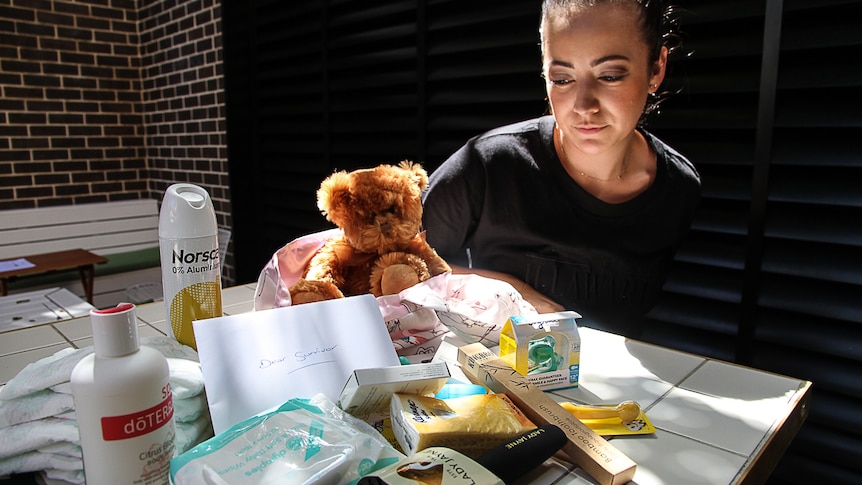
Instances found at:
x=194 y=302
x=627 y=411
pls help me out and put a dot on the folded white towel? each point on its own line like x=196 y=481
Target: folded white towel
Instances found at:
x=44 y=373
x=190 y=409
x=67 y=415
x=45 y=404
x=63 y=448
x=62 y=388
x=57 y=369
x=52 y=444
x=187 y=379
x=189 y=434
x=22 y=400
x=38 y=426
x=53 y=476
x=33 y=461
x=31 y=436
x=30 y=407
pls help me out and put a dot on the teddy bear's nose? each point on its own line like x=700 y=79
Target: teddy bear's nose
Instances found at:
x=386 y=227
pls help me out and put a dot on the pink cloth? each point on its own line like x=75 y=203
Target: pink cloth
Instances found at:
x=285 y=267
x=472 y=307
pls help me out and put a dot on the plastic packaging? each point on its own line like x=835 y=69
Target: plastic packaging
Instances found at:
x=304 y=441
x=191 y=269
x=470 y=425
x=455 y=388
x=123 y=404
x=503 y=464
x=545 y=348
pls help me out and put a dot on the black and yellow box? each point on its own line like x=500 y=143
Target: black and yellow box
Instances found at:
x=546 y=348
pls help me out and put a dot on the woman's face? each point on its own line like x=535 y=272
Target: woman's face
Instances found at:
x=598 y=75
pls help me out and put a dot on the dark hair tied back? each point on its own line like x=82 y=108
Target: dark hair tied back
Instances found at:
x=660 y=27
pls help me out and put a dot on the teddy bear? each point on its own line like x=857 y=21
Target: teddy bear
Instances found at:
x=381 y=250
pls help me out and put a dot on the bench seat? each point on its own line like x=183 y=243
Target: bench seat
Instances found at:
x=125 y=232
x=117 y=263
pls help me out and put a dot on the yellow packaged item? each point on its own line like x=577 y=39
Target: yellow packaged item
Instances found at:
x=624 y=418
x=470 y=425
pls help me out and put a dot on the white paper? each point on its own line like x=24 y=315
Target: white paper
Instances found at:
x=255 y=361
x=13 y=264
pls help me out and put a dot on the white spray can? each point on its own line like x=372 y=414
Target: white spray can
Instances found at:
x=191 y=269
x=123 y=404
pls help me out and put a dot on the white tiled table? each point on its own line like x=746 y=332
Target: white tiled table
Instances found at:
x=37 y=307
x=717 y=423
x=22 y=346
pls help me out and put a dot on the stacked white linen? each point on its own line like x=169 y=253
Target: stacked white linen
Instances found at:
x=38 y=429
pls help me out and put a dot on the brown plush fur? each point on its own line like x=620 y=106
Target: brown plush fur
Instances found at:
x=381 y=251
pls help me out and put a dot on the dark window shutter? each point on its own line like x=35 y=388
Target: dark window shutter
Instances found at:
x=483 y=66
x=772 y=273
x=372 y=82
x=809 y=308
x=713 y=121
x=275 y=92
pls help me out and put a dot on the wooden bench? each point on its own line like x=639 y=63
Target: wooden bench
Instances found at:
x=125 y=233
x=44 y=263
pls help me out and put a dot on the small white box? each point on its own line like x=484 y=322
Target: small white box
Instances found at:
x=370 y=391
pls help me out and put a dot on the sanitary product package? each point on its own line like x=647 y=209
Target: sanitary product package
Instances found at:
x=470 y=425
x=303 y=441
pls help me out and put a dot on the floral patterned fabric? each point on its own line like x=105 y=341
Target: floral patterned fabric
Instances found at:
x=471 y=307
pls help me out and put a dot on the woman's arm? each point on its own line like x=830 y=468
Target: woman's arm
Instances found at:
x=542 y=303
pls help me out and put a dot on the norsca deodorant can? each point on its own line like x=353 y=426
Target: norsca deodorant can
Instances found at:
x=191 y=269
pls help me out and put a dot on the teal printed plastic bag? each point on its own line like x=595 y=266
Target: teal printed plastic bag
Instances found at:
x=303 y=441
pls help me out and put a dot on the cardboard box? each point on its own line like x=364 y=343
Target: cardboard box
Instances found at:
x=383 y=424
x=369 y=391
x=606 y=464
x=546 y=349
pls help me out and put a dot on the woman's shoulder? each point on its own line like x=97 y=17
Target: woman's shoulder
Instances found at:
x=535 y=128
x=501 y=152
x=519 y=128
x=527 y=140
x=676 y=163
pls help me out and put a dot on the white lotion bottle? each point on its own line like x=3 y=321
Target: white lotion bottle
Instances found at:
x=191 y=269
x=123 y=404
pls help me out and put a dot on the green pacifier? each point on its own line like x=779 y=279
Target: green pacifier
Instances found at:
x=541 y=355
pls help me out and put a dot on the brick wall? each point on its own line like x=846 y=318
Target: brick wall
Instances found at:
x=72 y=127
x=183 y=100
x=105 y=100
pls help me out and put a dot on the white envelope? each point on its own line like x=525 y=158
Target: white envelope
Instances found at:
x=255 y=361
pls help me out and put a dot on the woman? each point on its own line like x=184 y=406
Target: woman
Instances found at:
x=582 y=209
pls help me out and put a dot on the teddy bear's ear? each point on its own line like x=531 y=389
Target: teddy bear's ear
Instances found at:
x=420 y=176
x=333 y=195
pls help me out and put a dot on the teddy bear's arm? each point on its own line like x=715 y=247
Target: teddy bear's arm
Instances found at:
x=330 y=261
x=421 y=248
x=324 y=277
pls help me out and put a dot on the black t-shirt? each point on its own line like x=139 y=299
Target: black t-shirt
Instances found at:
x=504 y=202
